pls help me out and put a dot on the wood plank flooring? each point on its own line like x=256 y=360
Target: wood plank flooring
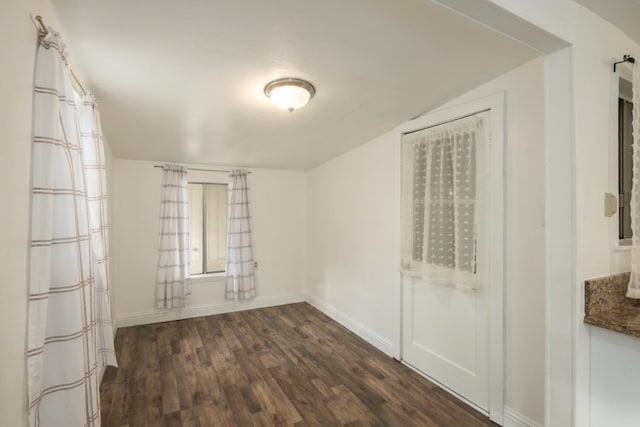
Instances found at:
x=279 y=366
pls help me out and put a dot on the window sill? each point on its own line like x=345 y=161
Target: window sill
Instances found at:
x=210 y=277
x=622 y=246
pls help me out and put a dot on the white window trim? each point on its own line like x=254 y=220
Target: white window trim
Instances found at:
x=208 y=277
x=617 y=245
x=624 y=245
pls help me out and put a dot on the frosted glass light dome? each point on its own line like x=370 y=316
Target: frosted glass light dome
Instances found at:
x=289 y=93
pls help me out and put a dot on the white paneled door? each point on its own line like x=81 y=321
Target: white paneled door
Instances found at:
x=445 y=319
x=445 y=336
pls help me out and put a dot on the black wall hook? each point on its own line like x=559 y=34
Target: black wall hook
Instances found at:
x=625 y=58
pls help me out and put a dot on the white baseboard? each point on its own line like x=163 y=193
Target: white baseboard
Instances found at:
x=516 y=419
x=166 y=315
x=353 y=325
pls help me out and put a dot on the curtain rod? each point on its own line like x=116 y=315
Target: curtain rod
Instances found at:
x=202 y=170
x=625 y=58
x=446 y=122
x=42 y=32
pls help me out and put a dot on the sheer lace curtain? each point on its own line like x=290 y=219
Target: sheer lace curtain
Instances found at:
x=63 y=364
x=240 y=268
x=173 y=277
x=634 y=283
x=439 y=225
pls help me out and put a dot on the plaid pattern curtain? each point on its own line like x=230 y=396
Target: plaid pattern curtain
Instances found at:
x=62 y=361
x=173 y=277
x=239 y=272
x=95 y=173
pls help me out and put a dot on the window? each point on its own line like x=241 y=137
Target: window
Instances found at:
x=440 y=193
x=208 y=227
x=625 y=158
x=446 y=165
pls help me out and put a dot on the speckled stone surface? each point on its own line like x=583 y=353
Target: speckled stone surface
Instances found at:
x=605 y=293
x=607 y=307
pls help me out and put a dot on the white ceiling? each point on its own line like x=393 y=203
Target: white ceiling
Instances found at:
x=624 y=14
x=182 y=80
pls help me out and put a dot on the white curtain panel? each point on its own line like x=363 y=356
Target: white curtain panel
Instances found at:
x=95 y=173
x=439 y=199
x=173 y=278
x=634 y=283
x=62 y=361
x=239 y=272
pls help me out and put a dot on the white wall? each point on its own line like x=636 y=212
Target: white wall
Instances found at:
x=353 y=266
x=352 y=262
x=595 y=257
x=278 y=210
x=611 y=362
x=596 y=45
x=16 y=79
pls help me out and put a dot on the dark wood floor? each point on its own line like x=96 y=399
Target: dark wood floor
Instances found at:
x=287 y=365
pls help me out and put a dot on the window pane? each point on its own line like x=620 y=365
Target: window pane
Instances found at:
x=625 y=165
x=216 y=200
x=442 y=227
x=195 y=227
x=451 y=202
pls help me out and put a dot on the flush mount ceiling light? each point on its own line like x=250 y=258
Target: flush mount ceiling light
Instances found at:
x=289 y=93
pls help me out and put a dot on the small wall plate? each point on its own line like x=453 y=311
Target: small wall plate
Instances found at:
x=610 y=204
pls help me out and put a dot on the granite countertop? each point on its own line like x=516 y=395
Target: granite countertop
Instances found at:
x=606 y=305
